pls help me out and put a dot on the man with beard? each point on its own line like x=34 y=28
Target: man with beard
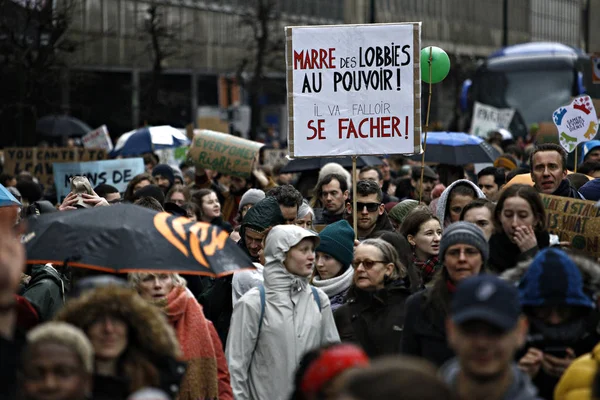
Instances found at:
x=548 y=163
x=485 y=329
x=372 y=218
x=429 y=180
x=217 y=301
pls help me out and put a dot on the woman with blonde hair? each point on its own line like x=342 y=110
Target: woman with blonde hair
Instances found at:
x=373 y=315
x=207 y=375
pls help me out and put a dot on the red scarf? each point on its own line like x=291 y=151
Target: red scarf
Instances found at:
x=428 y=268
x=450 y=286
x=191 y=327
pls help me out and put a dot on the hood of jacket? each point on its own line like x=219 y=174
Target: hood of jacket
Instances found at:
x=263 y=215
x=279 y=241
x=521 y=387
x=443 y=199
x=41 y=272
x=552 y=265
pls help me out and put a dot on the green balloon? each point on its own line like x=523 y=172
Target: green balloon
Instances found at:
x=440 y=64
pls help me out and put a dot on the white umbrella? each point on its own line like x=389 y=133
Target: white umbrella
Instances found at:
x=148 y=139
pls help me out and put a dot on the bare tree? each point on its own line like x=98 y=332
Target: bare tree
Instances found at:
x=161 y=45
x=34 y=46
x=262 y=17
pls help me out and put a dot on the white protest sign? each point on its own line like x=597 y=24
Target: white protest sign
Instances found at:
x=98 y=139
x=354 y=89
x=487 y=118
x=576 y=122
x=117 y=173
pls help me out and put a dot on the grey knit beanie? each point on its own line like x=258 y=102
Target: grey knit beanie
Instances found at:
x=252 y=196
x=463 y=232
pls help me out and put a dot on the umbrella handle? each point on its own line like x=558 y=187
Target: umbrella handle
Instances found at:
x=426 y=125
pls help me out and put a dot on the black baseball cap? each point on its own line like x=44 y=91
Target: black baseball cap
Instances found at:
x=486 y=298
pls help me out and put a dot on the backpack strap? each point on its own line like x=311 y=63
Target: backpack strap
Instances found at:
x=263 y=302
x=316 y=296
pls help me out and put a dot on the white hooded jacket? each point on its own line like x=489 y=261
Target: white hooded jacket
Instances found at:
x=291 y=326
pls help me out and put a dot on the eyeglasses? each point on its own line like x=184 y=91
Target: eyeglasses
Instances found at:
x=371 y=207
x=457 y=252
x=368 y=264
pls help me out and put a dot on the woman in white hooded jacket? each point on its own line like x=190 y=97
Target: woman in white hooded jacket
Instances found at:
x=267 y=340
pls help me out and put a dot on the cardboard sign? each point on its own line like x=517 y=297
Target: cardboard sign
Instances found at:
x=98 y=139
x=38 y=161
x=574 y=221
x=273 y=157
x=487 y=118
x=576 y=122
x=117 y=173
x=222 y=152
x=354 y=89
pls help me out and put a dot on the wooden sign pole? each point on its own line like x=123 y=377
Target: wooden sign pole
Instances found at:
x=576 y=161
x=354 y=210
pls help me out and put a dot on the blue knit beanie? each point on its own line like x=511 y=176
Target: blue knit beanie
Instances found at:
x=337 y=240
x=553 y=279
x=591 y=190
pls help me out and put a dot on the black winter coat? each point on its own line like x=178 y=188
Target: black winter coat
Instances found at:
x=373 y=320
x=425 y=331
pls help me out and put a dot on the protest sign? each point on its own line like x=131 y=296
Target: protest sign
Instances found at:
x=272 y=157
x=487 y=118
x=576 y=122
x=117 y=173
x=38 y=161
x=222 y=152
x=354 y=89
x=574 y=221
x=98 y=139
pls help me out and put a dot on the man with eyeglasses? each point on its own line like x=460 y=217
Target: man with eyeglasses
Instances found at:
x=371 y=215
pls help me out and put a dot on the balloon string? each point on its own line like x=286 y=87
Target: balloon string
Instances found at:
x=430 y=62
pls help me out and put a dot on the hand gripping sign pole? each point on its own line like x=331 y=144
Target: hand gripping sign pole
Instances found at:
x=435 y=63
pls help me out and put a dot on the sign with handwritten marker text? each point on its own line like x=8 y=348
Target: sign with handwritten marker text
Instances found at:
x=576 y=122
x=354 y=89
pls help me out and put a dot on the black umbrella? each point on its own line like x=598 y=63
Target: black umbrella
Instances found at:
x=311 y=164
x=61 y=125
x=457 y=148
x=128 y=238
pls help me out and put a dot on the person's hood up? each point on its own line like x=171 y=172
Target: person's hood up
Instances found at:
x=441 y=205
x=279 y=241
x=40 y=272
x=589 y=270
x=521 y=387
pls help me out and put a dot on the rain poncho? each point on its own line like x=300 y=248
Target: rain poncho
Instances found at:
x=263 y=367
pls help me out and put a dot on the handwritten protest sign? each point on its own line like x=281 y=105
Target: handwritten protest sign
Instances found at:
x=574 y=221
x=487 y=118
x=222 y=152
x=98 y=139
x=117 y=173
x=354 y=89
x=576 y=122
x=38 y=161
